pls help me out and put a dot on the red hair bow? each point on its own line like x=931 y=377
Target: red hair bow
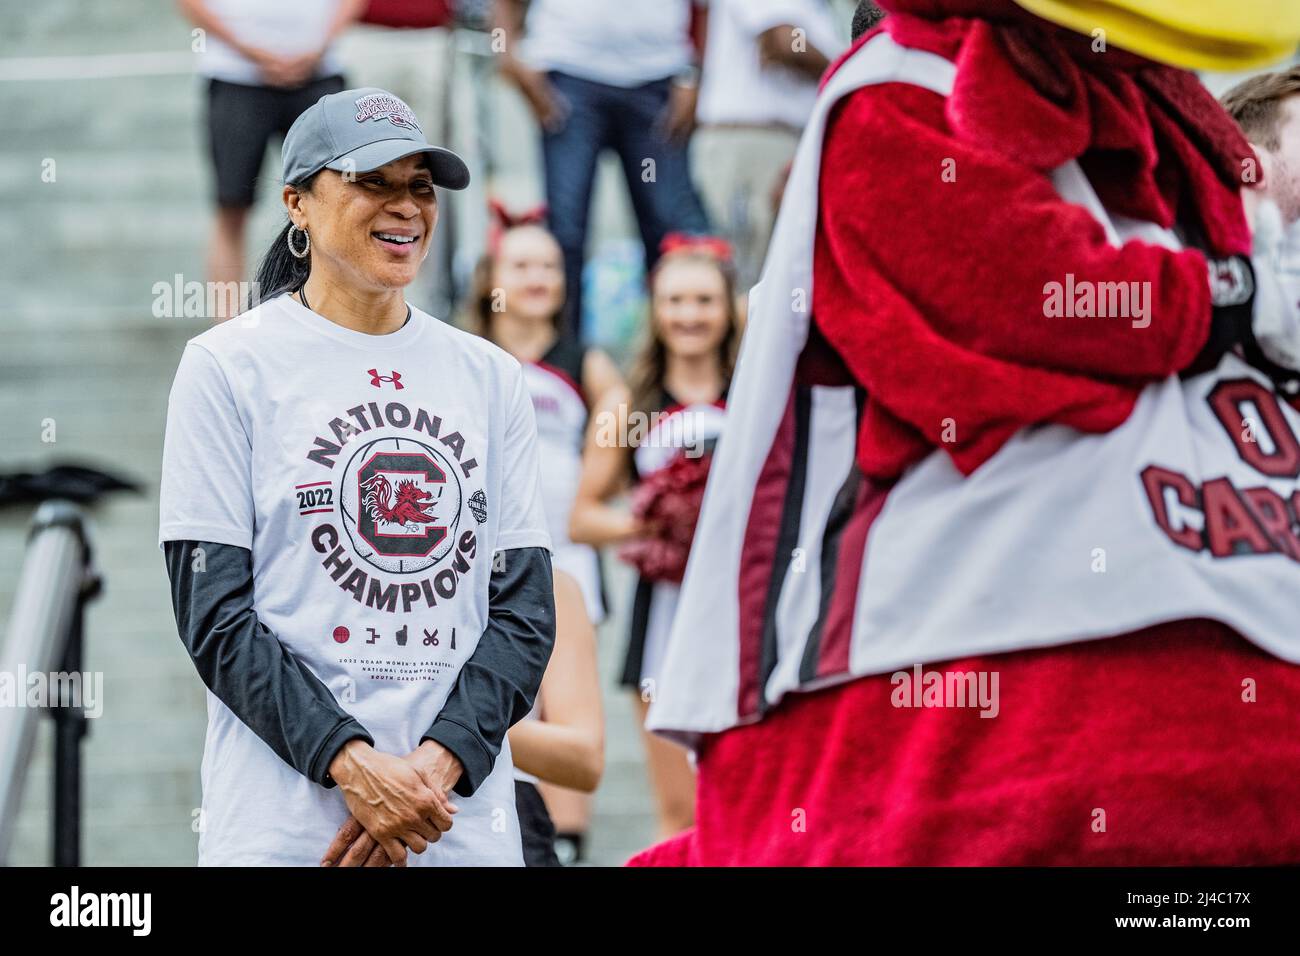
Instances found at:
x=713 y=246
x=502 y=220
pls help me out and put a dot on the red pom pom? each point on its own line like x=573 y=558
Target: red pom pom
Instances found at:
x=669 y=502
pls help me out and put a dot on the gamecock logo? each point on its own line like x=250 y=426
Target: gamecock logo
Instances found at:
x=406 y=510
x=401 y=504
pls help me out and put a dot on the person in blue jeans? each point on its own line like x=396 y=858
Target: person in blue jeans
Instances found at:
x=598 y=76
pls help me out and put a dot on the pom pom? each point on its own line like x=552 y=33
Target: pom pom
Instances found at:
x=668 y=503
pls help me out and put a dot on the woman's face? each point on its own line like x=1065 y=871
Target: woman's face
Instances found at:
x=690 y=307
x=529 y=271
x=374 y=230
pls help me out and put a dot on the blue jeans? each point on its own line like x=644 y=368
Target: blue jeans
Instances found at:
x=626 y=121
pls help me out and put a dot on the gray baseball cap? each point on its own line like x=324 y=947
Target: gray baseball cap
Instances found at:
x=359 y=131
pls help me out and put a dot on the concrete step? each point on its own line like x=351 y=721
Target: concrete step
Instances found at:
x=65 y=28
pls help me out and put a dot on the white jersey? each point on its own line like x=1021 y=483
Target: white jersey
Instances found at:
x=619 y=44
x=737 y=87
x=372 y=477
x=677 y=428
x=560 y=408
x=1187 y=510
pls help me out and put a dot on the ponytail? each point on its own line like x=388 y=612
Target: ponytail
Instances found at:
x=280 y=271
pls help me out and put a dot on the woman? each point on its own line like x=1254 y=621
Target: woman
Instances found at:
x=354 y=531
x=562 y=742
x=518 y=303
x=677 y=397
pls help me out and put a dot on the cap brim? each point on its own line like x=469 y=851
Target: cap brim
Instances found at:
x=448 y=169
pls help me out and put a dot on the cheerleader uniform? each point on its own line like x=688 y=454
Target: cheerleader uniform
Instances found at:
x=655 y=602
x=560 y=407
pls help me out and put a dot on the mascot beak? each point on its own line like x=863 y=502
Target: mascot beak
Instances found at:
x=1225 y=35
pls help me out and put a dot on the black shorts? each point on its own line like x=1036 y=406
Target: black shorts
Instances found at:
x=241 y=121
x=535 y=827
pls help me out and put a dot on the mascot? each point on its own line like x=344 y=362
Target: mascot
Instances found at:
x=1006 y=569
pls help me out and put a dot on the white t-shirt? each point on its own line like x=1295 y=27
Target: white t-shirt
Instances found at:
x=283 y=26
x=735 y=87
x=372 y=477
x=618 y=43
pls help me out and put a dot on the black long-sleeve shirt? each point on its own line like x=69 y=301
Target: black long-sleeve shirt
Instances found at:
x=247 y=667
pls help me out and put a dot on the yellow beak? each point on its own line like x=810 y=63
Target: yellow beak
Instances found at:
x=1225 y=35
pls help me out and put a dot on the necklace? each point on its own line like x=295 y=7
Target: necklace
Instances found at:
x=302 y=294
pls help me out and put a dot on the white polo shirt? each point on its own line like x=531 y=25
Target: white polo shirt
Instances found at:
x=288 y=27
x=736 y=88
x=618 y=43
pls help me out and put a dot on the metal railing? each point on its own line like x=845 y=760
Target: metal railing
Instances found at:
x=45 y=636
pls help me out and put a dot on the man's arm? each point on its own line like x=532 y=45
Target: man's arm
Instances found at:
x=197 y=12
x=244 y=664
x=778 y=45
x=348 y=12
x=498 y=684
x=508 y=16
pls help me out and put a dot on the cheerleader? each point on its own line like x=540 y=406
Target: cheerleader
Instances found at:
x=671 y=412
x=517 y=303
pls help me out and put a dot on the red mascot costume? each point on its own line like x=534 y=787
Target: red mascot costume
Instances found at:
x=1004 y=567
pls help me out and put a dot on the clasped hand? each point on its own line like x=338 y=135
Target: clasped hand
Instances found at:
x=397 y=803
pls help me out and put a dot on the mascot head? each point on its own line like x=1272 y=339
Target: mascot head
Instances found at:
x=1223 y=35
x=1227 y=35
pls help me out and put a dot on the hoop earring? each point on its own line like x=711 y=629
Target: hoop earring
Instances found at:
x=306 y=247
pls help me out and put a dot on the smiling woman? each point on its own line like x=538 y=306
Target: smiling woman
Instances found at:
x=366 y=596
x=361 y=210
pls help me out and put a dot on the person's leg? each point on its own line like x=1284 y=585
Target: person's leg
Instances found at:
x=569 y=155
x=226 y=257
x=570 y=810
x=716 y=155
x=736 y=171
x=536 y=832
x=671 y=777
x=772 y=152
x=657 y=170
x=240 y=120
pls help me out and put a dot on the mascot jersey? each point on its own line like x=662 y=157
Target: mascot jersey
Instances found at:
x=1005 y=453
x=373 y=478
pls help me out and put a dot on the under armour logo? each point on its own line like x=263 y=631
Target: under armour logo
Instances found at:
x=378 y=380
